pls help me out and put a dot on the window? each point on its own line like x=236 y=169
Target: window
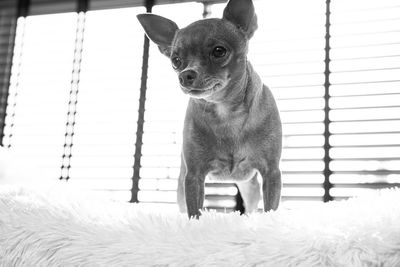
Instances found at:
x=39 y=89
x=73 y=99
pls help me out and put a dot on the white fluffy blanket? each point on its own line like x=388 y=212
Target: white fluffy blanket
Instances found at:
x=63 y=228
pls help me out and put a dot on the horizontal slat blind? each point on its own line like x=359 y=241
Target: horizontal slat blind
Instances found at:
x=287 y=51
x=365 y=96
x=107 y=102
x=39 y=89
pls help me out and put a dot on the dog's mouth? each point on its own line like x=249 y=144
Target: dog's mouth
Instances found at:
x=201 y=93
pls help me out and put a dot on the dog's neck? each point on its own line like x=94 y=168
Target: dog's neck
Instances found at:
x=239 y=97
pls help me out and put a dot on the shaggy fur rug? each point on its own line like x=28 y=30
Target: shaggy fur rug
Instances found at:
x=63 y=228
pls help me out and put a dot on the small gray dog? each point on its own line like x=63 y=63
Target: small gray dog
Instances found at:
x=232 y=129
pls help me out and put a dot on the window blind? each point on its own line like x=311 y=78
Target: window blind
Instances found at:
x=39 y=89
x=107 y=102
x=72 y=103
x=365 y=96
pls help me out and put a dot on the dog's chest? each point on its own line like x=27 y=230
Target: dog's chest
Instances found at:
x=230 y=123
x=232 y=163
x=232 y=153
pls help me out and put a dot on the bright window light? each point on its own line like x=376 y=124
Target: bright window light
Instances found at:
x=76 y=78
x=108 y=102
x=39 y=89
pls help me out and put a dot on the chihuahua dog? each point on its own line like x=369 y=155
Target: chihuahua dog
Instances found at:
x=232 y=130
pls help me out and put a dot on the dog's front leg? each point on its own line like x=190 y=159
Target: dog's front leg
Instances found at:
x=194 y=193
x=190 y=189
x=271 y=187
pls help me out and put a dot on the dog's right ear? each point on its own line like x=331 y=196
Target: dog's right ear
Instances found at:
x=160 y=30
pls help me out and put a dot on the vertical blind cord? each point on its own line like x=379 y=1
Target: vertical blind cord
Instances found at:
x=327 y=159
x=140 y=120
x=73 y=97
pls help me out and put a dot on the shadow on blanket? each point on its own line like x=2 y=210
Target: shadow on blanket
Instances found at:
x=62 y=228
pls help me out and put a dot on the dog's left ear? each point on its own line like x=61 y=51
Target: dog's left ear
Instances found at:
x=160 y=30
x=242 y=14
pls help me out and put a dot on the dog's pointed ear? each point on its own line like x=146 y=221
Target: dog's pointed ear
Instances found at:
x=160 y=30
x=242 y=14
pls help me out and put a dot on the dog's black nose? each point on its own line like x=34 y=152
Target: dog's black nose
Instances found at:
x=187 y=77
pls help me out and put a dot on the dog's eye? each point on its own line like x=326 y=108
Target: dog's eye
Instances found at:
x=219 y=51
x=176 y=62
